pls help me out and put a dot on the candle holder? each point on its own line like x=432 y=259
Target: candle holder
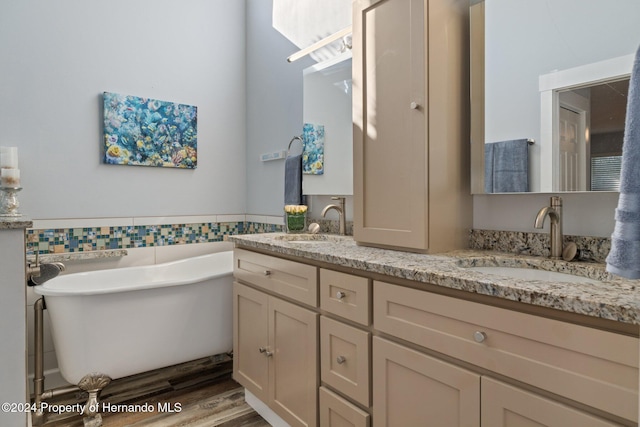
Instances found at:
x=295 y=218
x=295 y=222
x=9 y=202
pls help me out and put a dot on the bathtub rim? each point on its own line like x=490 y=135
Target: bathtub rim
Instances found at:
x=49 y=289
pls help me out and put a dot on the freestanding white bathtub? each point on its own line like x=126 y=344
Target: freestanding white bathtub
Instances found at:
x=125 y=321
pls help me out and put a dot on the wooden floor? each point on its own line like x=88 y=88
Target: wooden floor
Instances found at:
x=201 y=392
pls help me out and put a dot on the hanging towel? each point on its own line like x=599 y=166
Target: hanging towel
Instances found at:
x=624 y=257
x=507 y=166
x=293 y=180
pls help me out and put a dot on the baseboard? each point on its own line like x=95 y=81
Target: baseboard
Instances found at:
x=264 y=411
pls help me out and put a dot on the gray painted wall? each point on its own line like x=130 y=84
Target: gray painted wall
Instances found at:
x=274 y=107
x=58 y=58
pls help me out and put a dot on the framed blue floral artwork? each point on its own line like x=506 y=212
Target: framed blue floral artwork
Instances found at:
x=148 y=132
x=313 y=152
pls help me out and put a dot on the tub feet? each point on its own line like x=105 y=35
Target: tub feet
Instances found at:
x=93 y=384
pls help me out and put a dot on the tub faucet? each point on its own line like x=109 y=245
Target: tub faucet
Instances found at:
x=38 y=273
x=341 y=213
x=555 y=230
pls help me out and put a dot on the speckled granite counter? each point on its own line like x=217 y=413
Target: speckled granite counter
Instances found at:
x=15 y=222
x=79 y=256
x=611 y=298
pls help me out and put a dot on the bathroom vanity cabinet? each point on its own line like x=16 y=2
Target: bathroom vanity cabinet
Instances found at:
x=392 y=353
x=482 y=352
x=410 y=112
x=275 y=341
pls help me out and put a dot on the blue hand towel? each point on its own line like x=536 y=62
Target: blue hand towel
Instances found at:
x=624 y=257
x=293 y=180
x=507 y=166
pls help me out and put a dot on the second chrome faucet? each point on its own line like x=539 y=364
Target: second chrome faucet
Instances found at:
x=341 y=213
x=554 y=211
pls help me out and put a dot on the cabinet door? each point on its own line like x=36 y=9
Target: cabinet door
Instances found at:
x=293 y=374
x=413 y=389
x=506 y=406
x=250 y=340
x=390 y=147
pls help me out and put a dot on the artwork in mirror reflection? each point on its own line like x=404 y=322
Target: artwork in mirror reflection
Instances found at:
x=313 y=151
x=149 y=132
x=557 y=72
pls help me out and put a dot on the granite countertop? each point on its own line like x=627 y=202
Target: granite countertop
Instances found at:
x=609 y=297
x=15 y=222
x=78 y=256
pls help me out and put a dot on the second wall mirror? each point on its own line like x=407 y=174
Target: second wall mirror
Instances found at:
x=554 y=72
x=327 y=102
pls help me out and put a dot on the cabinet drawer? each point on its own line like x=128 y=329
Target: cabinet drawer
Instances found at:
x=345 y=359
x=345 y=295
x=337 y=412
x=594 y=367
x=288 y=278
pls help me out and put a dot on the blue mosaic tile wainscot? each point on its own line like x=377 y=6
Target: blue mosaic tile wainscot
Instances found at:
x=50 y=241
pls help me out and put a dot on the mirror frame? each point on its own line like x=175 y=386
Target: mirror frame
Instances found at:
x=476 y=93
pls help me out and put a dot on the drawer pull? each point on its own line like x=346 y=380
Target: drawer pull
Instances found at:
x=479 y=336
x=267 y=272
x=262 y=349
x=341 y=360
x=340 y=295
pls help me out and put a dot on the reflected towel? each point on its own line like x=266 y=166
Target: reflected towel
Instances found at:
x=624 y=257
x=293 y=180
x=506 y=166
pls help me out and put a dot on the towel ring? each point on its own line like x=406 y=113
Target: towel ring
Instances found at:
x=291 y=142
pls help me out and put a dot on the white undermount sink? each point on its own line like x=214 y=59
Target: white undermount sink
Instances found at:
x=532 y=274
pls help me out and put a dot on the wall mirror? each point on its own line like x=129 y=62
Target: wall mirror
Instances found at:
x=327 y=102
x=554 y=72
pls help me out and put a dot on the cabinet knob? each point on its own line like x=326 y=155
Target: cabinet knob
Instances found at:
x=340 y=294
x=479 y=336
x=265 y=351
x=414 y=105
x=267 y=272
x=341 y=360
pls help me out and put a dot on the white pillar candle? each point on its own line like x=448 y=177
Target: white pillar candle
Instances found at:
x=9 y=157
x=9 y=177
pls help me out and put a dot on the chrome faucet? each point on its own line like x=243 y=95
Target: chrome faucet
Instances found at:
x=555 y=231
x=341 y=213
x=38 y=273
